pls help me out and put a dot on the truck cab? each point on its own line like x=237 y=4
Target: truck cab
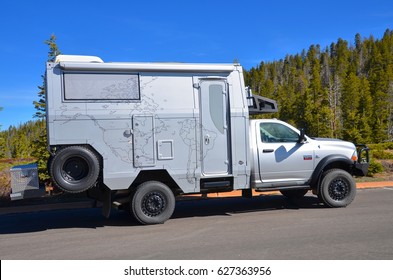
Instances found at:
x=287 y=160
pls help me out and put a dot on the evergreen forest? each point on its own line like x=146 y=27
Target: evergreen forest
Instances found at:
x=344 y=90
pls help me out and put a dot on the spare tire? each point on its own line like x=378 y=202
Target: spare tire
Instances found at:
x=74 y=169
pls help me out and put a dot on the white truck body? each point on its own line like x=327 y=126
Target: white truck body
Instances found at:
x=115 y=127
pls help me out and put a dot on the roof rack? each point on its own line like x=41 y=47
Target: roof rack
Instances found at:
x=261 y=105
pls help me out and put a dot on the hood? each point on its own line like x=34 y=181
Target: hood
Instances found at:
x=327 y=139
x=333 y=142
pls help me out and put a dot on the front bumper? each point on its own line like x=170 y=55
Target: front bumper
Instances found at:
x=360 y=169
x=361 y=166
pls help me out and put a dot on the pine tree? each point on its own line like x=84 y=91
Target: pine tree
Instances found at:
x=40 y=104
x=350 y=104
x=320 y=123
x=365 y=111
x=40 y=145
x=286 y=94
x=303 y=103
x=379 y=84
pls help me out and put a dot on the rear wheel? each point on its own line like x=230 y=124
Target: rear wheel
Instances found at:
x=152 y=203
x=74 y=169
x=337 y=189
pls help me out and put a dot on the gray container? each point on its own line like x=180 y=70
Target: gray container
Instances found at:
x=24 y=182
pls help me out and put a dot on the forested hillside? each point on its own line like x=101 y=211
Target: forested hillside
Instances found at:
x=344 y=90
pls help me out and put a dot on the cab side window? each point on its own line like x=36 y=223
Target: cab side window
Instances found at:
x=277 y=133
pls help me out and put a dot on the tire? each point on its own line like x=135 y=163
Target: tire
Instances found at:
x=337 y=189
x=294 y=194
x=152 y=203
x=74 y=169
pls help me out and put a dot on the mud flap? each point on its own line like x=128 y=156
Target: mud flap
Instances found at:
x=104 y=195
x=106 y=202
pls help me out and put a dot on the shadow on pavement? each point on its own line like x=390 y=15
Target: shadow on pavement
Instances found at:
x=92 y=218
x=235 y=205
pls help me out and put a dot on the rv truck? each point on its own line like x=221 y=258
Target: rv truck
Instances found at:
x=137 y=135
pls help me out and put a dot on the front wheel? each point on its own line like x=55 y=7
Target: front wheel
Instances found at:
x=152 y=203
x=337 y=189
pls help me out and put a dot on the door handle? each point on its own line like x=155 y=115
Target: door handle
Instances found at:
x=207 y=139
x=268 y=150
x=127 y=133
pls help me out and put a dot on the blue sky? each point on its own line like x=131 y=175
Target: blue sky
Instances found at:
x=181 y=31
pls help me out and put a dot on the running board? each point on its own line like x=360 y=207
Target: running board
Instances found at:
x=266 y=189
x=216 y=185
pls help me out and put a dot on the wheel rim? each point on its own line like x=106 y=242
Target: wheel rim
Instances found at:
x=153 y=204
x=75 y=169
x=339 y=189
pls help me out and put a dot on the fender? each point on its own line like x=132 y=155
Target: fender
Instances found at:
x=339 y=160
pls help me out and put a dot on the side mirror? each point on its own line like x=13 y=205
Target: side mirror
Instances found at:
x=302 y=137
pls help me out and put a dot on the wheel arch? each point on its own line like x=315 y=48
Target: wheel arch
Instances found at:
x=159 y=175
x=327 y=163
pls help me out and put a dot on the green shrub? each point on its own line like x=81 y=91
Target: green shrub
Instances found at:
x=381 y=154
x=381 y=146
x=375 y=167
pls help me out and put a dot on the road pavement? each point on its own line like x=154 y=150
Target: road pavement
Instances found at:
x=265 y=227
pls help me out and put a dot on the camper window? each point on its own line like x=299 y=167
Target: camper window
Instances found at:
x=101 y=86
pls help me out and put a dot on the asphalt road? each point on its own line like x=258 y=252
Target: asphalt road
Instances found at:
x=266 y=227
